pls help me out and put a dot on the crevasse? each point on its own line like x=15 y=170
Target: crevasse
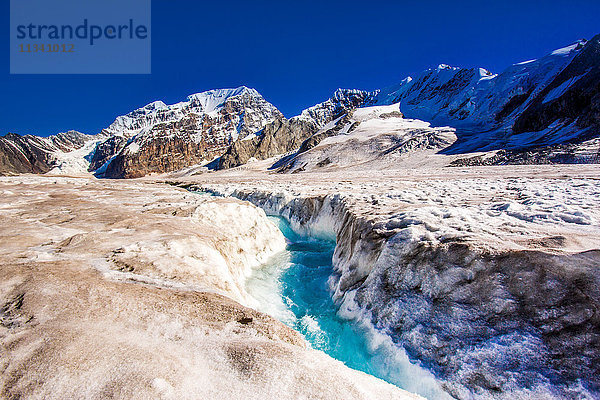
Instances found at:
x=299 y=287
x=463 y=311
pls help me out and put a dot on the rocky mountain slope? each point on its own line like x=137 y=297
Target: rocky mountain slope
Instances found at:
x=38 y=155
x=285 y=135
x=534 y=103
x=162 y=138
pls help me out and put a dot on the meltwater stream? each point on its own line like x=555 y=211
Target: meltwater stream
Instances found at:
x=293 y=288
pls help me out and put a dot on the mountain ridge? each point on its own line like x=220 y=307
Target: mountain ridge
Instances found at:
x=551 y=100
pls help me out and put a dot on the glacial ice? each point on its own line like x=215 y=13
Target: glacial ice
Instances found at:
x=74 y=162
x=460 y=271
x=99 y=299
x=293 y=288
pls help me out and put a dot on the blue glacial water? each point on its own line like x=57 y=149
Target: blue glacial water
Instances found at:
x=293 y=288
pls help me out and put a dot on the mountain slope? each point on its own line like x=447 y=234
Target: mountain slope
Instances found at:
x=535 y=103
x=573 y=95
x=38 y=155
x=161 y=138
x=285 y=135
x=544 y=102
x=376 y=137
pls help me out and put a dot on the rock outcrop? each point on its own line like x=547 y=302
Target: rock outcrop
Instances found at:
x=572 y=96
x=342 y=101
x=280 y=136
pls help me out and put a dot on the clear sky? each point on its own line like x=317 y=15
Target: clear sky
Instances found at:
x=295 y=53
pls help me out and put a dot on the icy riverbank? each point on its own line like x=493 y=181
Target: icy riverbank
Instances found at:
x=293 y=287
x=124 y=290
x=490 y=283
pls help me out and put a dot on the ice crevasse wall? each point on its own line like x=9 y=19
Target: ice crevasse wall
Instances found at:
x=97 y=299
x=471 y=309
x=221 y=260
x=250 y=242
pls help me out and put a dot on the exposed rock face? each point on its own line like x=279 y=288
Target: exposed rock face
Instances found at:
x=166 y=147
x=71 y=140
x=105 y=151
x=278 y=137
x=232 y=113
x=17 y=155
x=334 y=131
x=156 y=138
x=283 y=135
x=572 y=96
x=342 y=101
x=166 y=138
x=34 y=154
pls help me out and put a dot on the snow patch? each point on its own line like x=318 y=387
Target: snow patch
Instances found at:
x=561 y=89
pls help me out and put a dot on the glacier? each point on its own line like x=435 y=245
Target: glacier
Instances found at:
x=486 y=281
x=126 y=290
x=293 y=288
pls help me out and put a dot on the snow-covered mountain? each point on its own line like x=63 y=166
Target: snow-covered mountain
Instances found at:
x=342 y=101
x=153 y=139
x=374 y=137
x=474 y=97
x=163 y=138
x=497 y=111
x=537 y=103
x=282 y=135
x=231 y=113
x=550 y=101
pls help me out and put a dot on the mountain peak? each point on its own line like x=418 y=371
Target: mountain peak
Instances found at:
x=211 y=100
x=446 y=66
x=224 y=93
x=155 y=105
x=206 y=102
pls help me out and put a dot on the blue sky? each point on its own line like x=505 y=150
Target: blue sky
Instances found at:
x=295 y=53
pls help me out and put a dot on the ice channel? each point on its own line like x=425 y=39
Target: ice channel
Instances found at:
x=293 y=287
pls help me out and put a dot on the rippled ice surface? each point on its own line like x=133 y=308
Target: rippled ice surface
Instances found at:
x=293 y=288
